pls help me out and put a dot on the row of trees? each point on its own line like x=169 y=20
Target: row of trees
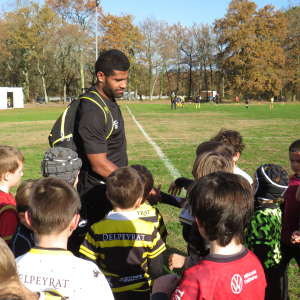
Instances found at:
x=49 y=49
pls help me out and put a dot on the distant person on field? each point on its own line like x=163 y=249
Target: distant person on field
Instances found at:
x=198 y=99
x=264 y=230
x=23 y=239
x=237 y=100
x=11 y=172
x=291 y=213
x=234 y=139
x=259 y=100
x=272 y=102
x=217 y=99
x=173 y=101
x=183 y=100
x=230 y=271
x=247 y=101
x=54 y=214
x=147 y=212
x=282 y=100
x=211 y=99
x=127 y=249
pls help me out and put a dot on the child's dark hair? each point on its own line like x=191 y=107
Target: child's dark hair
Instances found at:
x=232 y=138
x=223 y=204
x=295 y=146
x=53 y=203
x=110 y=61
x=22 y=195
x=220 y=147
x=124 y=187
x=149 y=182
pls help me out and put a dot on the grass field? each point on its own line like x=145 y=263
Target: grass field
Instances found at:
x=266 y=133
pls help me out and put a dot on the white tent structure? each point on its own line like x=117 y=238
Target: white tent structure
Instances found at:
x=11 y=97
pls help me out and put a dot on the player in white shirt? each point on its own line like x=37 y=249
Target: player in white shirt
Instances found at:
x=53 y=213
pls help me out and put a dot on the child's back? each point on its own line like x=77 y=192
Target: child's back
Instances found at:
x=57 y=268
x=54 y=213
x=263 y=231
x=128 y=250
x=147 y=212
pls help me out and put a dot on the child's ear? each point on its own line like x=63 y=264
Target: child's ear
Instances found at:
x=27 y=218
x=199 y=224
x=236 y=157
x=138 y=202
x=74 y=222
x=22 y=217
x=107 y=195
x=6 y=176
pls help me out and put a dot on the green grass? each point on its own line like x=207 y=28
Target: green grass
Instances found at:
x=266 y=133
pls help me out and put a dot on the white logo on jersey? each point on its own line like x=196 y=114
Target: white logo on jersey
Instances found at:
x=176 y=296
x=116 y=124
x=236 y=284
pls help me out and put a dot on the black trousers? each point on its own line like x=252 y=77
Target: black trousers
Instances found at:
x=173 y=103
x=275 y=283
x=288 y=253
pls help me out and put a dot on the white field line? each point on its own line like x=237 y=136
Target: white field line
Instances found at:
x=166 y=161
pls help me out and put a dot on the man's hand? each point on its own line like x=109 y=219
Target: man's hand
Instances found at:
x=295 y=238
x=176 y=261
x=166 y=284
x=174 y=189
x=154 y=196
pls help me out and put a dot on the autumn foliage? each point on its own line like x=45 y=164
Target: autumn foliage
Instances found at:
x=49 y=49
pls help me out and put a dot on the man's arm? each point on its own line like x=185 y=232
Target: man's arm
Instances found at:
x=101 y=165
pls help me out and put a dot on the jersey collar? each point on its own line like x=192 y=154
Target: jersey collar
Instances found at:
x=122 y=216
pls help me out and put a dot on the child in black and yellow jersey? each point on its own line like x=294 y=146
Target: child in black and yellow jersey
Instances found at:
x=147 y=212
x=127 y=249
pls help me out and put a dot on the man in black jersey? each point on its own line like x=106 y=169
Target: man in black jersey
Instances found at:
x=101 y=155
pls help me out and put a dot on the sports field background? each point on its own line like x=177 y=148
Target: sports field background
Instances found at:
x=266 y=133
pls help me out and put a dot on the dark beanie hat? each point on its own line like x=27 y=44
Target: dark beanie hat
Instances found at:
x=267 y=188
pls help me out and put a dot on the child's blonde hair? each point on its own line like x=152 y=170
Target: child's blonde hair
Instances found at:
x=10 y=159
x=209 y=162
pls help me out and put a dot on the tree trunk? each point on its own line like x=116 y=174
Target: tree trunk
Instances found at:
x=26 y=85
x=211 y=77
x=150 y=79
x=65 y=92
x=190 y=83
x=128 y=84
x=205 y=80
x=43 y=80
x=135 y=84
x=81 y=71
x=223 y=82
x=161 y=81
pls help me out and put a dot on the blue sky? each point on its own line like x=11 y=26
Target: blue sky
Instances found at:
x=172 y=11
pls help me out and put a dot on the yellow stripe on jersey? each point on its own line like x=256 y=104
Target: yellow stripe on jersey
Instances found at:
x=131 y=287
x=53 y=295
x=49 y=252
x=158 y=251
x=8 y=206
x=7 y=238
x=88 y=253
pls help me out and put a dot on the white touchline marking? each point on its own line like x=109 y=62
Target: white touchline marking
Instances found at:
x=166 y=161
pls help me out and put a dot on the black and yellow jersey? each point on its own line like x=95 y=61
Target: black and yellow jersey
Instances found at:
x=127 y=250
x=151 y=214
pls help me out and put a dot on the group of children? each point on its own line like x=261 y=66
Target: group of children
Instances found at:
x=224 y=221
